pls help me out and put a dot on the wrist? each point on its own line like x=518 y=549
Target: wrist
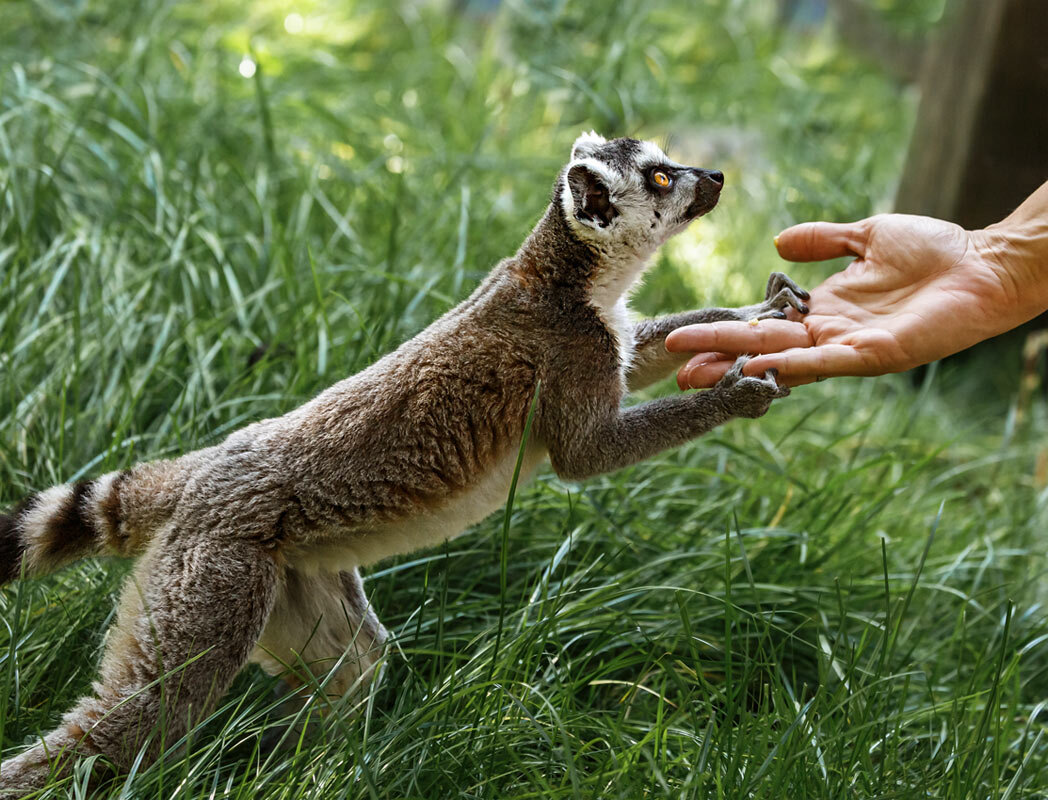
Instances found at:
x=1017 y=249
x=1019 y=243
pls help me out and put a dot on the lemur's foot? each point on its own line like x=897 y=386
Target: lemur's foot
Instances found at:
x=749 y=396
x=780 y=294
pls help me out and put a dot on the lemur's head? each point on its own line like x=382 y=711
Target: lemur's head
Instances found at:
x=628 y=194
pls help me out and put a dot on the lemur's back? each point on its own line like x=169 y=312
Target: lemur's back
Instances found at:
x=414 y=435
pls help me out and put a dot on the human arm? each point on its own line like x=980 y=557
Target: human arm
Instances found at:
x=918 y=290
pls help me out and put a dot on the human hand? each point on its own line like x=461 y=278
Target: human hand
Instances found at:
x=919 y=289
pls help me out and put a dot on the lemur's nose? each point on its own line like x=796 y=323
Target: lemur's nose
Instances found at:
x=715 y=176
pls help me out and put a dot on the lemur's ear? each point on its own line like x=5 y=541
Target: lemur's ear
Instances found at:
x=586 y=145
x=590 y=197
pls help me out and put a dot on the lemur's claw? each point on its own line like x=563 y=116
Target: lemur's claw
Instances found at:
x=749 y=396
x=780 y=280
x=782 y=293
x=780 y=391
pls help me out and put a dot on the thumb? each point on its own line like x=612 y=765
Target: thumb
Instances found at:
x=818 y=241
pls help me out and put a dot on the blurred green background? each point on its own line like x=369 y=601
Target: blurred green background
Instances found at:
x=209 y=212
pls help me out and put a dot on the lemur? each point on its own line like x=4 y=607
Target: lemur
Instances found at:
x=250 y=550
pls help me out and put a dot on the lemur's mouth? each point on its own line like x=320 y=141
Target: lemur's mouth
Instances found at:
x=707 y=193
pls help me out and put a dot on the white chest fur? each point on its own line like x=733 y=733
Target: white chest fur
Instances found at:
x=608 y=296
x=360 y=548
x=617 y=318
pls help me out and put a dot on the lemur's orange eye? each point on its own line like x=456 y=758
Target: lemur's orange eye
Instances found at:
x=661 y=179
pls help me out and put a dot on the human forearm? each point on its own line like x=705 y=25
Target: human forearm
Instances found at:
x=1032 y=214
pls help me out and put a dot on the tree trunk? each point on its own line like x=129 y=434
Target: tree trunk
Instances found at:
x=980 y=146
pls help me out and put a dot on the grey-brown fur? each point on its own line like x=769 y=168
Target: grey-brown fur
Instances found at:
x=251 y=549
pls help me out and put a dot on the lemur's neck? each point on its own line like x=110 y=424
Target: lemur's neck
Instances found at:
x=554 y=256
x=616 y=277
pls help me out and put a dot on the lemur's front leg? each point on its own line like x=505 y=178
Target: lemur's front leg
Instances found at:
x=587 y=433
x=652 y=363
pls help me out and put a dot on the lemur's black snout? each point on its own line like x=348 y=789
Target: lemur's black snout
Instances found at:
x=713 y=176
x=708 y=185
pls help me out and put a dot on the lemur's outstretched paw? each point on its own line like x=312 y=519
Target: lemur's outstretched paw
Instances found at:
x=749 y=396
x=777 y=281
x=780 y=294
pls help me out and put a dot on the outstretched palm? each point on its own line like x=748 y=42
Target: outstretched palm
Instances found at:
x=919 y=289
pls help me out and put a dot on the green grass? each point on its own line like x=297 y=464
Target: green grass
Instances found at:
x=842 y=600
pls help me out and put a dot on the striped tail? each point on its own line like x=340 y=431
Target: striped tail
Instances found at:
x=115 y=514
x=61 y=524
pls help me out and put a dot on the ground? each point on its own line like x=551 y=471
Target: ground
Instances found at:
x=210 y=212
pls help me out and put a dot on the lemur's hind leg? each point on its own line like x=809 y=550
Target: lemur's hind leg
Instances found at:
x=187 y=621
x=322 y=635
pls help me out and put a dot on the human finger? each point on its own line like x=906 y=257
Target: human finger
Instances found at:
x=704 y=370
x=703 y=374
x=796 y=380
x=824 y=361
x=766 y=336
x=818 y=241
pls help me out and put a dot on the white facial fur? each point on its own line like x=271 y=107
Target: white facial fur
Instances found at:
x=644 y=219
x=632 y=220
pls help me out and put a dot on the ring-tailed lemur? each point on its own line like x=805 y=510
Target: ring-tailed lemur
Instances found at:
x=249 y=550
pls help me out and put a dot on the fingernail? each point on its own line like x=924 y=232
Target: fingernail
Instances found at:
x=775 y=242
